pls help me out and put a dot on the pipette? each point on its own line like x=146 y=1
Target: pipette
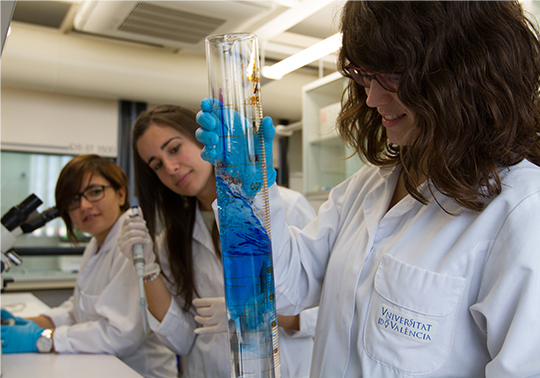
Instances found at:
x=138 y=261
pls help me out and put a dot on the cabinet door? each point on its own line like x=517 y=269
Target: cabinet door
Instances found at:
x=327 y=161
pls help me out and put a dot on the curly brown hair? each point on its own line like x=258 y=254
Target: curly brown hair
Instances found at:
x=470 y=73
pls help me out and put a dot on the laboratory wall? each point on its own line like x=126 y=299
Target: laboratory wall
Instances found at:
x=44 y=122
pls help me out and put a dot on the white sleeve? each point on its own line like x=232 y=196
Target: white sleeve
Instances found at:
x=301 y=257
x=298 y=210
x=308 y=322
x=117 y=328
x=508 y=301
x=299 y=213
x=63 y=314
x=176 y=330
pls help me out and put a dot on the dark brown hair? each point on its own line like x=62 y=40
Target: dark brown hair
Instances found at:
x=470 y=73
x=72 y=176
x=160 y=205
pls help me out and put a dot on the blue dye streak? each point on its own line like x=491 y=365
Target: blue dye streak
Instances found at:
x=247 y=258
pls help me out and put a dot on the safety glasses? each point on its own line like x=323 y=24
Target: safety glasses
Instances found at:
x=390 y=82
x=93 y=194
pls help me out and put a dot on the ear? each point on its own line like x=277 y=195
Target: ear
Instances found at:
x=121 y=195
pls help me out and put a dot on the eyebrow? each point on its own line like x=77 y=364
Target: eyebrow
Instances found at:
x=162 y=148
x=92 y=186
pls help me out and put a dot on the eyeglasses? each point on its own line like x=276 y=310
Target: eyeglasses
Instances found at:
x=92 y=194
x=390 y=82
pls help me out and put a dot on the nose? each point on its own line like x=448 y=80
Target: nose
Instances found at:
x=377 y=95
x=171 y=166
x=85 y=203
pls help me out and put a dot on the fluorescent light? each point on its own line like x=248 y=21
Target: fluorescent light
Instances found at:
x=300 y=59
x=289 y=18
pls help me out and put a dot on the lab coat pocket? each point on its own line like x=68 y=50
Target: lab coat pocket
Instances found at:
x=412 y=316
x=87 y=307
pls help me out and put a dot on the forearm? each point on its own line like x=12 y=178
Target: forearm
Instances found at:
x=158 y=298
x=289 y=322
x=43 y=321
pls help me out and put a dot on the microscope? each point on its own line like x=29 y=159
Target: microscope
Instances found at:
x=22 y=219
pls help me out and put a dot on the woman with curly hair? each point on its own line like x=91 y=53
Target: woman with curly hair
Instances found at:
x=426 y=261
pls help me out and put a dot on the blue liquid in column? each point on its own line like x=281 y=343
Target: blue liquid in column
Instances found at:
x=249 y=288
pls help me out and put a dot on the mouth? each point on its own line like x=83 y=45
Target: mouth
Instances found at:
x=182 y=180
x=89 y=218
x=389 y=120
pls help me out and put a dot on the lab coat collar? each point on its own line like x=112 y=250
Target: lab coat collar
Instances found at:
x=385 y=172
x=112 y=236
x=109 y=243
x=200 y=231
x=427 y=189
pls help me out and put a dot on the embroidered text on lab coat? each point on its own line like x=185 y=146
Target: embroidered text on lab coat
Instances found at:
x=405 y=325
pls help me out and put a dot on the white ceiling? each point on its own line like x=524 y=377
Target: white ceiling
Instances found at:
x=63 y=59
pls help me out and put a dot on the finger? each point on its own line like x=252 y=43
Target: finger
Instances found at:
x=135 y=222
x=205 y=302
x=207 y=312
x=208 y=138
x=208 y=103
x=205 y=320
x=206 y=120
x=133 y=231
x=206 y=330
x=21 y=321
x=140 y=236
x=209 y=154
x=268 y=129
x=138 y=239
x=7 y=315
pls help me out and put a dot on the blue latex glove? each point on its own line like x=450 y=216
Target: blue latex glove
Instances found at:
x=7 y=315
x=211 y=119
x=21 y=337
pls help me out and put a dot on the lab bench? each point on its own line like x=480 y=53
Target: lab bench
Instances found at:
x=43 y=272
x=49 y=269
x=54 y=365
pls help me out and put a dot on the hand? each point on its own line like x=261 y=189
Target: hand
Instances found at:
x=21 y=337
x=212 y=314
x=218 y=122
x=133 y=232
x=7 y=315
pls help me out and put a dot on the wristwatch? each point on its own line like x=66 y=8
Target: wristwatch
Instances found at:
x=44 y=343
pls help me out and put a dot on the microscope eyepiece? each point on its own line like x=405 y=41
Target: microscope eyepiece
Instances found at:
x=36 y=220
x=18 y=214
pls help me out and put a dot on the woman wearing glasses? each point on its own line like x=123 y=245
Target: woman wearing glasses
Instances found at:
x=426 y=262
x=103 y=315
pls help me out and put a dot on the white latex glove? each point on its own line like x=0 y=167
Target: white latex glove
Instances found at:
x=134 y=231
x=212 y=314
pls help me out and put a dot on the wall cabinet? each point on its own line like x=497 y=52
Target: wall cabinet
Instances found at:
x=326 y=159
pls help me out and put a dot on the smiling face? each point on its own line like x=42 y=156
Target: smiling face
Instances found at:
x=176 y=160
x=396 y=118
x=97 y=218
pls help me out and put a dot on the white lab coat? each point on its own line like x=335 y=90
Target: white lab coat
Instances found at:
x=415 y=291
x=208 y=355
x=104 y=316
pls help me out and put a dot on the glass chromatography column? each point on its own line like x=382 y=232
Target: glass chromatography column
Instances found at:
x=233 y=70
